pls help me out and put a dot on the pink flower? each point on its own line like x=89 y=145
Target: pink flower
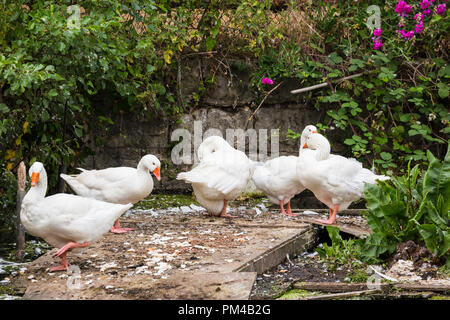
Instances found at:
x=400 y=5
x=266 y=81
x=402 y=8
x=426 y=12
x=377 y=32
x=377 y=44
x=419 y=27
x=440 y=9
x=407 y=9
x=424 y=4
x=406 y=34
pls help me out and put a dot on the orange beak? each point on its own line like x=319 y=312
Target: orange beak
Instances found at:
x=34 y=178
x=157 y=173
x=314 y=132
x=305 y=146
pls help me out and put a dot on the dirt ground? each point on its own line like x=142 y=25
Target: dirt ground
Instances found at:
x=411 y=264
x=305 y=267
x=175 y=253
x=181 y=253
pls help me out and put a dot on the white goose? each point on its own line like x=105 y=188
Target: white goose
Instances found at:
x=278 y=179
x=65 y=221
x=309 y=130
x=221 y=175
x=117 y=185
x=335 y=180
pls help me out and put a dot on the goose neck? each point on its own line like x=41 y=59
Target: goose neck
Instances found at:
x=38 y=191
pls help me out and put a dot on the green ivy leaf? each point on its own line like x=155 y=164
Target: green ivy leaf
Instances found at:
x=53 y=93
x=443 y=90
x=78 y=132
x=386 y=156
x=210 y=43
x=349 y=142
x=4 y=108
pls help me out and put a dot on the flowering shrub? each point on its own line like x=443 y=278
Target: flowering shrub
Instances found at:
x=398 y=108
x=425 y=8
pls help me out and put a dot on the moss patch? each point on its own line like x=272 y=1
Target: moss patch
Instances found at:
x=8 y=290
x=33 y=249
x=251 y=201
x=440 y=298
x=295 y=294
x=165 y=201
x=358 y=275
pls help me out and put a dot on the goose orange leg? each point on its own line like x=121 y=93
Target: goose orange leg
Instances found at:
x=117 y=229
x=288 y=207
x=332 y=218
x=224 y=213
x=289 y=211
x=282 y=207
x=62 y=253
x=64 y=264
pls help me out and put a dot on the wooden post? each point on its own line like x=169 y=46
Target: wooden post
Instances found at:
x=20 y=231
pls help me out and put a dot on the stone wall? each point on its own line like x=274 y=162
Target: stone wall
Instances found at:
x=226 y=105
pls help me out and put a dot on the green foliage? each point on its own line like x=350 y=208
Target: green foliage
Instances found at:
x=414 y=207
x=344 y=253
x=341 y=252
x=58 y=79
x=7 y=201
x=398 y=108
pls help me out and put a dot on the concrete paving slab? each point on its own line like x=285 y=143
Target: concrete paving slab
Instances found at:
x=172 y=256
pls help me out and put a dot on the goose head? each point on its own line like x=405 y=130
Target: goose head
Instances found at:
x=308 y=131
x=211 y=145
x=38 y=188
x=319 y=143
x=152 y=164
x=37 y=174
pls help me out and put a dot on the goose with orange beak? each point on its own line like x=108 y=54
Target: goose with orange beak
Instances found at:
x=277 y=177
x=336 y=181
x=65 y=221
x=118 y=184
